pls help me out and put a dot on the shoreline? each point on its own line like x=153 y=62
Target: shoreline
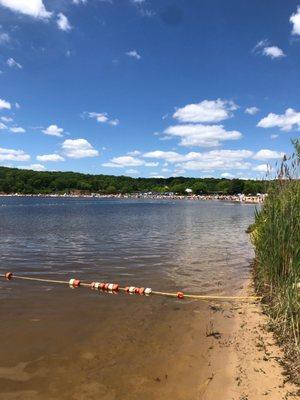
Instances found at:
x=242 y=199
x=250 y=354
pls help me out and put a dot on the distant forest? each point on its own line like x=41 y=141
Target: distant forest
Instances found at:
x=13 y=180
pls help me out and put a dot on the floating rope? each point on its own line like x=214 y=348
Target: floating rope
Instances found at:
x=114 y=287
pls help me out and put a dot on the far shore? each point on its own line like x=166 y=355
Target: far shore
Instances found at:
x=240 y=198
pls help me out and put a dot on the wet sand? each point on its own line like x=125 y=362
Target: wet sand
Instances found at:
x=153 y=348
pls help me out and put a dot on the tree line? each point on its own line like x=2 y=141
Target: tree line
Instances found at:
x=13 y=180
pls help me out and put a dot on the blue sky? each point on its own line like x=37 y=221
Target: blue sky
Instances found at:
x=149 y=87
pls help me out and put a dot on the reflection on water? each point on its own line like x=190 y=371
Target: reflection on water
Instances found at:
x=80 y=344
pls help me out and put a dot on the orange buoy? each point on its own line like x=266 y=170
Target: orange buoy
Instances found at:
x=74 y=283
x=141 y=290
x=180 y=295
x=115 y=287
x=8 y=276
x=102 y=285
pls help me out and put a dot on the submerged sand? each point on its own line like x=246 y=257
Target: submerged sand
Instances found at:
x=164 y=350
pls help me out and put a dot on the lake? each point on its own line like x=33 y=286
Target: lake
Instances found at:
x=73 y=344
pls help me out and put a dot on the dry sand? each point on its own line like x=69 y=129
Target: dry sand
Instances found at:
x=245 y=361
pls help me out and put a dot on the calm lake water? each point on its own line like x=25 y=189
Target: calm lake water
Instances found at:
x=53 y=335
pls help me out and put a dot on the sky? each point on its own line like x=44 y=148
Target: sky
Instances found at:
x=151 y=88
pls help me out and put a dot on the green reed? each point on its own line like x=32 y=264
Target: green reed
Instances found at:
x=276 y=238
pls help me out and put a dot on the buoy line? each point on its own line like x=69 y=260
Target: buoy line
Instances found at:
x=114 y=288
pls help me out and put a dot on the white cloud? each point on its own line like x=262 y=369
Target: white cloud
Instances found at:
x=12 y=63
x=50 y=157
x=285 y=122
x=201 y=135
x=273 y=52
x=134 y=54
x=34 y=167
x=78 y=148
x=17 y=105
x=132 y=171
x=79 y=1
x=4 y=105
x=33 y=8
x=102 y=118
x=266 y=154
x=53 y=130
x=17 y=129
x=63 y=22
x=295 y=20
x=227 y=175
x=263 y=168
x=274 y=136
x=214 y=159
x=124 y=161
x=206 y=111
x=2 y=126
x=13 y=155
x=134 y=153
x=263 y=47
x=251 y=110
x=4 y=38
x=6 y=119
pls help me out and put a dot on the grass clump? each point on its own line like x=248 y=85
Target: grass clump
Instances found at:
x=276 y=238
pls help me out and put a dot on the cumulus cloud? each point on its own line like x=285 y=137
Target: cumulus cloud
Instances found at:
x=201 y=135
x=251 y=110
x=32 y=8
x=17 y=129
x=134 y=54
x=263 y=47
x=103 y=118
x=273 y=52
x=50 y=158
x=128 y=161
x=13 y=155
x=215 y=159
x=2 y=126
x=285 y=122
x=4 y=105
x=78 y=148
x=124 y=161
x=53 y=130
x=295 y=21
x=63 y=22
x=205 y=161
x=206 y=111
x=6 y=119
x=227 y=175
x=12 y=63
x=266 y=154
x=34 y=167
x=79 y=1
x=263 y=168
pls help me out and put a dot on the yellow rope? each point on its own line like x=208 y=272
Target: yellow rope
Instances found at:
x=167 y=294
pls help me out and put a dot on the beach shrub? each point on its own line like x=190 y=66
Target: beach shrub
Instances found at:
x=276 y=238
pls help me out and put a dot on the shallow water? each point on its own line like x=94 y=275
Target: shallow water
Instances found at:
x=57 y=340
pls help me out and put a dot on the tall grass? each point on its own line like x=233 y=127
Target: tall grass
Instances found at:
x=276 y=238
